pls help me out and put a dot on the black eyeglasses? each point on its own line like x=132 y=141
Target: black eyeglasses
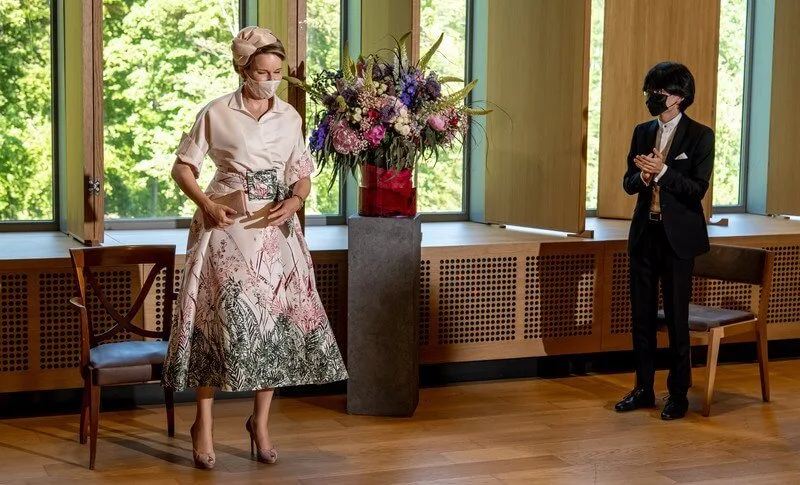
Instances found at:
x=647 y=93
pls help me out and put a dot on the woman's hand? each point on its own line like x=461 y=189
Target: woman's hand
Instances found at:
x=284 y=210
x=216 y=215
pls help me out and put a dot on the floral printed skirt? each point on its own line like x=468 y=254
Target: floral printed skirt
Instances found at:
x=248 y=315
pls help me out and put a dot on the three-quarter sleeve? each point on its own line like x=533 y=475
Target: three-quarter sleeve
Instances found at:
x=194 y=144
x=300 y=164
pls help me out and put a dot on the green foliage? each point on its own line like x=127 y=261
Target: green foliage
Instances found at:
x=26 y=153
x=440 y=185
x=323 y=51
x=163 y=60
x=730 y=87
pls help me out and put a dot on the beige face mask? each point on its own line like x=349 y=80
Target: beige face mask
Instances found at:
x=262 y=89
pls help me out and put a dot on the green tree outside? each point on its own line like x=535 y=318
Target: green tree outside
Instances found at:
x=26 y=148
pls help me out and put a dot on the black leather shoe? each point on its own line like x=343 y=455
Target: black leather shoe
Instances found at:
x=637 y=398
x=676 y=408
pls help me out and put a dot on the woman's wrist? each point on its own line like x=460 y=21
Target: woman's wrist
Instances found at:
x=301 y=199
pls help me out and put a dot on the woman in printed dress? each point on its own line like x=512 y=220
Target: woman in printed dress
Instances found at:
x=248 y=316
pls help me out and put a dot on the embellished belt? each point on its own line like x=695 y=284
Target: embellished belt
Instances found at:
x=264 y=186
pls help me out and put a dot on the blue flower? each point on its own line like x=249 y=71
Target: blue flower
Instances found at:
x=317 y=140
x=409 y=84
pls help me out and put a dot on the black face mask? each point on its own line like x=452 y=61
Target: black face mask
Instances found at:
x=656 y=103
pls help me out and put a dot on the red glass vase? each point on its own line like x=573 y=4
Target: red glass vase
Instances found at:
x=386 y=192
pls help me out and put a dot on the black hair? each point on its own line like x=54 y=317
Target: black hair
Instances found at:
x=674 y=78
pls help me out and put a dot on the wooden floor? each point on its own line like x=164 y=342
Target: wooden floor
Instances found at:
x=557 y=431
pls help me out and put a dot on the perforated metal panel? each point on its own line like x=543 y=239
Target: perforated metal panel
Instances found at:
x=158 y=289
x=425 y=303
x=13 y=322
x=620 y=294
x=59 y=331
x=784 y=302
x=477 y=301
x=559 y=295
x=327 y=277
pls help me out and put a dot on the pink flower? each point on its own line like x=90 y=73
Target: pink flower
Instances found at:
x=375 y=135
x=345 y=140
x=438 y=123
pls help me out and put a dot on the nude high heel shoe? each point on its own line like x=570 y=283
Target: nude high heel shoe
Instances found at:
x=264 y=456
x=203 y=461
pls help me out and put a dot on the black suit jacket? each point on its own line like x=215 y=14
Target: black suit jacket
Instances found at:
x=682 y=187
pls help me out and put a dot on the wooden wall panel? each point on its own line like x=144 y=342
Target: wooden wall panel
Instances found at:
x=537 y=68
x=383 y=19
x=637 y=36
x=783 y=179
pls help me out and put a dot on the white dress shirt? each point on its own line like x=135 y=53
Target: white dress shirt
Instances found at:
x=667 y=130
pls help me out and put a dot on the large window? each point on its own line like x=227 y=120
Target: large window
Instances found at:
x=730 y=87
x=728 y=163
x=26 y=133
x=441 y=184
x=162 y=62
x=323 y=51
x=595 y=90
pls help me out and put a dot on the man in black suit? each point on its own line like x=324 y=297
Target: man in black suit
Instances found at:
x=669 y=166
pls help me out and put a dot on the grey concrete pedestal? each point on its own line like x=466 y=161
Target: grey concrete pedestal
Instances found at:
x=383 y=315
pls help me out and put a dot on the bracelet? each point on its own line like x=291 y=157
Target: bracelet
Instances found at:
x=302 y=200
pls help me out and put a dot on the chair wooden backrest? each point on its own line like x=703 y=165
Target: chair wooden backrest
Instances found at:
x=86 y=261
x=741 y=265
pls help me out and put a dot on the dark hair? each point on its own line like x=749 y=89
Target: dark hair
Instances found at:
x=274 y=48
x=673 y=78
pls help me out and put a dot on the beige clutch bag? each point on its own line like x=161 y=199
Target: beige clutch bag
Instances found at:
x=236 y=200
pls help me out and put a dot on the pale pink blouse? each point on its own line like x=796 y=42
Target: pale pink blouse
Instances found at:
x=237 y=142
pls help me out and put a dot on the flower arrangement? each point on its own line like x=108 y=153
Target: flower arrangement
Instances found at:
x=385 y=116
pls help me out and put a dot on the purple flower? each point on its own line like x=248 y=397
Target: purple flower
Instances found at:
x=350 y=96
x=409 y=83
x=389 y=112
x=317 y=140
x=432 y=87
x=329 y=101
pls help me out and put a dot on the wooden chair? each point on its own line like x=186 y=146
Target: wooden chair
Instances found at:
x=105 y=363
x=709 y=325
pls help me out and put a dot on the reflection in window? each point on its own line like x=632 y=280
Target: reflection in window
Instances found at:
x=441 y=185
x=162 y=62
x=730 y=88
x=26 y=151
x=323 y=52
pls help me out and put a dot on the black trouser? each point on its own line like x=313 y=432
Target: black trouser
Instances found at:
x=650 y=259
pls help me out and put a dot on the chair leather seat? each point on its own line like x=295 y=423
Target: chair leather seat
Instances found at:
x=703 y=318
x=126 y=362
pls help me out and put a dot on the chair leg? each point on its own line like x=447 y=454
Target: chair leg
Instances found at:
x=87 y=390
x=93 y=422
x=711 y=367
x=169 y=401
x=763 y=363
